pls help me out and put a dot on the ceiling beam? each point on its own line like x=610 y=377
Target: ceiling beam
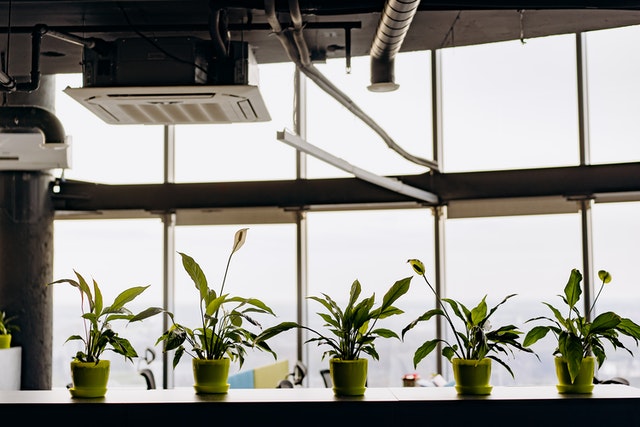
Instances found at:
x=609 y=182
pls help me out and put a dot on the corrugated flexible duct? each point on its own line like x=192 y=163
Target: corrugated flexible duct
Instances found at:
x=393 y=26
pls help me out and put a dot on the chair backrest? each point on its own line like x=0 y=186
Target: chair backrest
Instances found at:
x=149 y=378
x=326 y=377
x=299 y=372
x=285 y=384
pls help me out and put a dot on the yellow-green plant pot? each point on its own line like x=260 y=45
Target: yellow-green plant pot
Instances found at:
x=583 y=383
x=5 y=341
x=210 y=376
x=472 y=376
x=349 y=377
x=89 y=379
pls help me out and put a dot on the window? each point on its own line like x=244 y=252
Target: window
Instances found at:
x=530 y=256
x=372 y=247
x=117 y=254
x=505 y=106
x=613 y=95
x=510 y=105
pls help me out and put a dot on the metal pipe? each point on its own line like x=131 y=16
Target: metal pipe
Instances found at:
x=393 y=26
x=30 y=117
x=298 y=53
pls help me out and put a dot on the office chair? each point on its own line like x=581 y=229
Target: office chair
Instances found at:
x=326 y=377
x=297 y=376
x=149 y=356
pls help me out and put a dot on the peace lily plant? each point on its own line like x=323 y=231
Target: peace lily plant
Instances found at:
x=98 y=319
x=354 y=328
x=577 y=336
x=222 y=332
x=477 y=340
x=7 y=328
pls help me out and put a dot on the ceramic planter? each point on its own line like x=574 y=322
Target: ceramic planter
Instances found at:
x=349 y=377
x=210 y=376
x=583 y=383
x=89 y=379
x=472 y=376
x=5 y=341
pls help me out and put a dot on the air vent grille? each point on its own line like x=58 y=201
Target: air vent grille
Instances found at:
x=164 y=105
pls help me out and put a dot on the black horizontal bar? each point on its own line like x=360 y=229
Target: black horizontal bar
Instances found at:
x=572 y=181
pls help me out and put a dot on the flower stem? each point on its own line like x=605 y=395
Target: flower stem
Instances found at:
x=446 y=315
x=596 y=299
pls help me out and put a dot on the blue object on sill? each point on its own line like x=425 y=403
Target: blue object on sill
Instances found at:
x=241 y=380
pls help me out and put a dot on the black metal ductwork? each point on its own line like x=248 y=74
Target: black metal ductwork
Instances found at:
x=8 y=83
x=393 y=26
x=29 y=118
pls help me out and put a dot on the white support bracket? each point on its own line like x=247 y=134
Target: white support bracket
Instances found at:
x=383 y=181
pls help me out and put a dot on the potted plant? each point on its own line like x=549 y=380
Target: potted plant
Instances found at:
x=89 y=372
x=580 y=340
x=475 y=346
x=222 y=335
x=352 y=331
x=7 y=327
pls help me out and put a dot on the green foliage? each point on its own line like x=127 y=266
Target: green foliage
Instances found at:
x=97 y=319
x=222 y=332
x=478 y=340
x=354 y=328
x=577 y=336
x=7 y=327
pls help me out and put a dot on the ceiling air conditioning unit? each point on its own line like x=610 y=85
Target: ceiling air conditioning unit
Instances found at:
x=171 y=81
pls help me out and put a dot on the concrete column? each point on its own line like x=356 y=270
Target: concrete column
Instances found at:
x=26 y=253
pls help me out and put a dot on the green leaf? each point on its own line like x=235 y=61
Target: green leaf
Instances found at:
x=98 y=298
x=214 y=305
x=629 y=328
x=389 y=311
x=275 y=330
x=572 y=290
x=456 y=310
x=479 y=312
x=424 y=317
x=197 y=275
x=604 y=322
x=127 y=296
x=556 y=313
x=257 y=303
x=424 y=350
x=398 y=289
x=536 y=333
x=572 y=351
x=385 y=333
x=146 y=313
x=354 y=293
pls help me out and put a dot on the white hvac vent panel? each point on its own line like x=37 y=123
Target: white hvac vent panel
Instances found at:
x=167 y=105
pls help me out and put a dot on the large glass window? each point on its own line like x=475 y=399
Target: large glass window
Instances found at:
x=264 y=268
x=405 y=115
x=506 y=105
x=117 y=254
x=242 y=152
x=104 y=153
x=510 y=105
x=372 y=247
x=616 y=227
x=530 y=256
x=614 y=91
